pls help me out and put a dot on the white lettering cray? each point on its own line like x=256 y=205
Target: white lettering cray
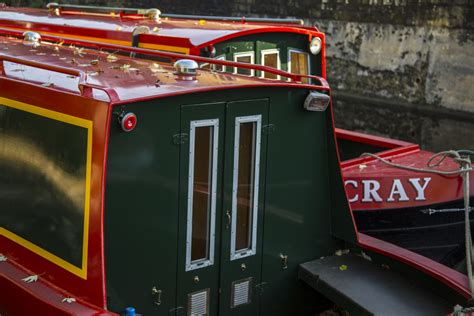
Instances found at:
x=398 y=193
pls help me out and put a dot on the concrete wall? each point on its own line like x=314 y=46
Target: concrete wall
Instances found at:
x=399 y=68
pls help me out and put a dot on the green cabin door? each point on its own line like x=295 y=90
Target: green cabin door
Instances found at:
x=222 y=182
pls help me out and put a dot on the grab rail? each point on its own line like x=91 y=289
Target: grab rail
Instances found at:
x=146 y=12
x=85 y=88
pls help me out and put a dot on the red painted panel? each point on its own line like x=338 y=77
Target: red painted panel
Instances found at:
x=372 y=185
x=91 y=289
x=457 y=281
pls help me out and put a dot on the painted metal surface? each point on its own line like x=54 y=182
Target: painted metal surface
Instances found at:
x=87 y=282
x=131 y=78
x=185 y=33
x=143 y=171
x=373 y=185
x=52 y=203
x=187 y=36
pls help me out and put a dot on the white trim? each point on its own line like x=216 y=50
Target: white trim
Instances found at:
x=262 y=59
x=220 y=57
x=192 y=265
x=245 y=54
x=294 y=50
x=257 y=144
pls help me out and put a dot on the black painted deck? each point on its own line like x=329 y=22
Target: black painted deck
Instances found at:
x=368 y=289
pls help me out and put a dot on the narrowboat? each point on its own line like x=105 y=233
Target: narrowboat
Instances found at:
x=407 y=220
x=140 y=186
x=418 y=205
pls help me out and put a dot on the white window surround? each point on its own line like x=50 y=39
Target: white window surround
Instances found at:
x=234 y=254
x=201 y=263
x=245 y=54
x=270 y=52
x=294 y=50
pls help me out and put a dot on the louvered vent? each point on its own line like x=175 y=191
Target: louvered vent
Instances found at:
x=241 y=292
x=198 y=303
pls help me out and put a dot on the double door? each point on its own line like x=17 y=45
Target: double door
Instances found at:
x=222 y=179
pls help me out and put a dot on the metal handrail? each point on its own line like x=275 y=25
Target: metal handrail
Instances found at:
x=232 y=19
x=84 y=87
x=138 y=11
x=175 y=56
x=90 y=8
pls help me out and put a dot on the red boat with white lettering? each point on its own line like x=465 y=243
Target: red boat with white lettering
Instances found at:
x=405 y=195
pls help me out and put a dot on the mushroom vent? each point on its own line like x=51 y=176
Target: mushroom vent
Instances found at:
x=186 y=69
x=31 y=38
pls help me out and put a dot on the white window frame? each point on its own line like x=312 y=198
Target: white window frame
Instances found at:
x=262 y=59
x=294 y=50
x=221 y=57
x=201 y=263
x=252 y=61
x=252 y=250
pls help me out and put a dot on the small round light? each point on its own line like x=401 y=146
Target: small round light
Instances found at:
x=315 y=45
x=128 y=122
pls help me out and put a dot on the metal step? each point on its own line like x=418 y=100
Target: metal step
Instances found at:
x=365 y=288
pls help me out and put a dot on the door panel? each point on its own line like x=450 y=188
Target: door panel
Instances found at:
x=244 y=181
x=200 y=203
x=221 y=207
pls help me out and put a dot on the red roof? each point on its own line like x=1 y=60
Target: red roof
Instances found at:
x=190 y=33
x=130 y=78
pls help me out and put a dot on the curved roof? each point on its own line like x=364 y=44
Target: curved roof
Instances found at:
x=55 y=66
x=188 y=33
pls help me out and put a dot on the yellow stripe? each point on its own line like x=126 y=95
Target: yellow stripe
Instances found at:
x=79 y=271
x=168 y=48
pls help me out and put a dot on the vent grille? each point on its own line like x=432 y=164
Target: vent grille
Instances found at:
x=241 y=292
x=198 y=303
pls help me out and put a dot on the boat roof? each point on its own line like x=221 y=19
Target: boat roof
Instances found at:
x=66 y=67
x=186 y=33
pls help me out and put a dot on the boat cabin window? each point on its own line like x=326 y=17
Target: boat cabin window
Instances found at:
x=271 y=58
x=245 y=186
x=245 y=57
x=202 y=194
x=298 y=63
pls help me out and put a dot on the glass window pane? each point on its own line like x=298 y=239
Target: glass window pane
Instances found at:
x=244 y=59
x=300 y=64
x=245 y=186
x=203 y=145
x=270 y=60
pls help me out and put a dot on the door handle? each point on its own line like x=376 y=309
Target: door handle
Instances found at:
x=227 y=213
x=157 y=293
x=284 y=261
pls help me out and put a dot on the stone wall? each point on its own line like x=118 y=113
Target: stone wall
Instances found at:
x=399 y=68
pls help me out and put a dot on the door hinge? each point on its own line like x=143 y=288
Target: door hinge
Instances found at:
x=268 y=129
x=177 y=311
x=259 y=288
x=180 y=139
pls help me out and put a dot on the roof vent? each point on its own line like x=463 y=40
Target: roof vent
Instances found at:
x=31 y=38
x=153 y=14
x=186 y=69
x=53 y=8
